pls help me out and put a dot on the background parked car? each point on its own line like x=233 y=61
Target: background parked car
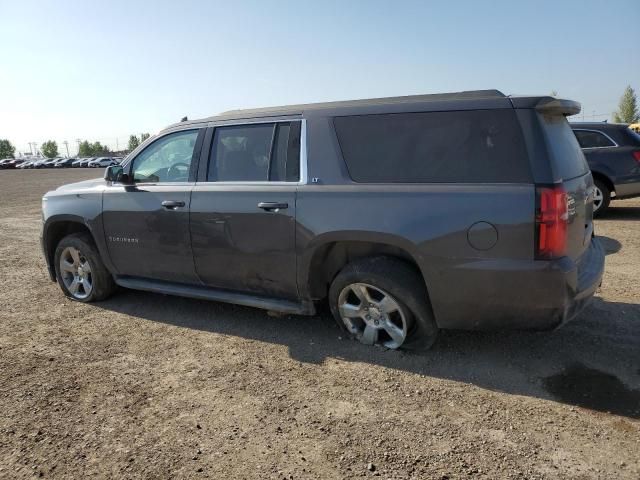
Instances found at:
x=85 y=161
x=12 y=163
x=612 y=151
x=65 y=162
x=39 y=163
x=47 y=162
x=25 y=164
x=102 y=162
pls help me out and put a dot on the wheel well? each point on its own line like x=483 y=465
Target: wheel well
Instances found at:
x=604 y=179
x=58 y=231
x=329 y=259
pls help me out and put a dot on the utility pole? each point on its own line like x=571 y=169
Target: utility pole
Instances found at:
x=30 y=150
x=66 y=144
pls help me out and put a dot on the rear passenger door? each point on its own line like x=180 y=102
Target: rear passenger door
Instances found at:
x=243 y=208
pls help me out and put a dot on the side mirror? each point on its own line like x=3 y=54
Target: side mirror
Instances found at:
x=115 y=173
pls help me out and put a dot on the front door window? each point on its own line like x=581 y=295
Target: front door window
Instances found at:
x=168 y=159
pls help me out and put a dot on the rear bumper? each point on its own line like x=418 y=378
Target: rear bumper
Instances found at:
x=528 y=295
x=590 y=270
x=628 y=189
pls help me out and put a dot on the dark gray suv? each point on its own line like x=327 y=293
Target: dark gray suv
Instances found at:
x=468 y=210
x=612 y=151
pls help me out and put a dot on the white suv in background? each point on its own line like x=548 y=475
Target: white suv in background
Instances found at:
x=102 y=162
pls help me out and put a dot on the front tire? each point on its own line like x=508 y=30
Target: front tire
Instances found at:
x=383 y=301
x=80 y=271
x=601 y=198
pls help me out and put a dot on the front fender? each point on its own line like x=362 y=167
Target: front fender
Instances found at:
x=64 y=214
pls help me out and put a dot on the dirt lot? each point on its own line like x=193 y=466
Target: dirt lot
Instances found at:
x=149 y=386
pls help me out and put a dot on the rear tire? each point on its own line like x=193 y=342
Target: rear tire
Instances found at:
x=602 y=198
x=383 y=301
x=80 y=271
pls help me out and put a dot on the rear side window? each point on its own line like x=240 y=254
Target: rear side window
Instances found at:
x=477 y=146
x=567 y=155
x=256 y=153
x=593 y=139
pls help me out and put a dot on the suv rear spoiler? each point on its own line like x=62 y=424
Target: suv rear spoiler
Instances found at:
x=548 y=105
x=558 y=106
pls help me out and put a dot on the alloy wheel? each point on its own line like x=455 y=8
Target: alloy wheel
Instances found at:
x=372 y=315
x=598 y=198
x=75 y=271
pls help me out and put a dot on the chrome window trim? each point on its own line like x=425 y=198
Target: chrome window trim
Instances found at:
x=303 y=153
x=596 y=131
x=158 y=184
x=253 y=121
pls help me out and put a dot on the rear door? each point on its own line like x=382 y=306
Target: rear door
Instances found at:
x=571 y=169
x=243 y=208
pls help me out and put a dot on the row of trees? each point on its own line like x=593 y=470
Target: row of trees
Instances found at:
x=86 y=149
x=95 y=149
x=135 y=141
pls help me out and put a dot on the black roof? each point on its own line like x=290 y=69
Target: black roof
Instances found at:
x=436 y=97
x=467 y=100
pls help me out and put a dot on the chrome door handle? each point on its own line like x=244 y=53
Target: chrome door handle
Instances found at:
x=272 y=206
x=172 y=204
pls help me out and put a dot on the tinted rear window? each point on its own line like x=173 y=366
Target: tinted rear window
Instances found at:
x=478 y=146
x=567 y=155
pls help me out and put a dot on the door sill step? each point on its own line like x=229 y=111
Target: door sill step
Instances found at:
x=218 y=295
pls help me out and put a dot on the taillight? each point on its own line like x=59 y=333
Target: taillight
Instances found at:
x=551 y=222
x=636 y=155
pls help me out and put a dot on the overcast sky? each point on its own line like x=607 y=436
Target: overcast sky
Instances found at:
x=103 y=70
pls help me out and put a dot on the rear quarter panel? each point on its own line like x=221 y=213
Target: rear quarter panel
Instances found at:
x=432 y=223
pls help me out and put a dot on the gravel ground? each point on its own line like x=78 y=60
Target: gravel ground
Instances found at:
x=148 y=386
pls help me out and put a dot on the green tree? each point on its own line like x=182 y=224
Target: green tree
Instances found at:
x=95 y=149
x=144 y=136
x=84 y=149
x=133 y=142
x=49 y=149
x=627 y=108
x=99 y=149
x=6 y=149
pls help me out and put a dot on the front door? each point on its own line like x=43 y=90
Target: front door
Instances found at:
x=146 y=223
x=243 y=210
